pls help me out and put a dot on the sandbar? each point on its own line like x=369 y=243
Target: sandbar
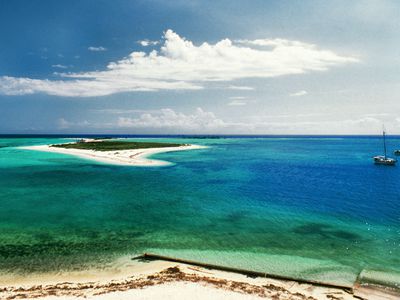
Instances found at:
x=131 y=157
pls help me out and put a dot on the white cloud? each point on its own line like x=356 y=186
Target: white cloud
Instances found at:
x=168 y=118
x=180 y=64
x=200 y=121
x=84 y=88
x=275 y=43
x=298 y=94
x=240 y=88
x=59 y=66
x=146 y=43
x=237 y=103
x=203 y=121
x=97 y=49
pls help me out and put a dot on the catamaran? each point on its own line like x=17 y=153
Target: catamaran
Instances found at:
x=384 y=160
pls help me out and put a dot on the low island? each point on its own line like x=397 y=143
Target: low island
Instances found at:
x=116 y=151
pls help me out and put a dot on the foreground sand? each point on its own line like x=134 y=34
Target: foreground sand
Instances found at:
x=165 y=280
x=135 y=157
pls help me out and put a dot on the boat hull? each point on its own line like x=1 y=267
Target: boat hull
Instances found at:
x=385 y=161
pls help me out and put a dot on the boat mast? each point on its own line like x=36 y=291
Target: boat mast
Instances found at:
x=384 y=142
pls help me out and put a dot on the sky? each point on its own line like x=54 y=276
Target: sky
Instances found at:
x=199 y=67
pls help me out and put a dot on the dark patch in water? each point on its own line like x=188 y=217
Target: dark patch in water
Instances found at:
x=136 y=234
x=92 y=234
x=235 y=216
x=48 y=245
x=345 y=235
x=311 y=228
x=44 y=237
x=325 y=231
x=45 y=248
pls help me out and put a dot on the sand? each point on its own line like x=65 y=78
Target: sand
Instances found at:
x=135 y=157
x=164 y=280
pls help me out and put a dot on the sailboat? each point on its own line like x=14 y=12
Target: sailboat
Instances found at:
x=384 y=160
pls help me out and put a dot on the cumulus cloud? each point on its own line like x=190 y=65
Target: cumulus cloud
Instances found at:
x=205 y=121
x=168 y=118
x=181 y=65
x=97 y=49
x=298 y=94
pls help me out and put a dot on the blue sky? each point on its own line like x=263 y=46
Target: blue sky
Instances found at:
x=175 y=67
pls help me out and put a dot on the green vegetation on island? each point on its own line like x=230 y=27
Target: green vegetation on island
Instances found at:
x=114 y=145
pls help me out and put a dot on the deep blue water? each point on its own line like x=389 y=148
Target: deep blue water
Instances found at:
x=308 y=207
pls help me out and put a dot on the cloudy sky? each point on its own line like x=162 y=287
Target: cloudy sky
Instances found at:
x=206 y=67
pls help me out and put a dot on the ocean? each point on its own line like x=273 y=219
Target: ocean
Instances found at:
x=313 y=208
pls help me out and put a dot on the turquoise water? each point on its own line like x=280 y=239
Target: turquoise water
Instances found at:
x=312 y=208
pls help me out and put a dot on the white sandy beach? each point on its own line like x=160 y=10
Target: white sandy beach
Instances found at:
x=162 y=280
x=134 y=157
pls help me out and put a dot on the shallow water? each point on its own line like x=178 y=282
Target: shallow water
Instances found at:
x=314 y=208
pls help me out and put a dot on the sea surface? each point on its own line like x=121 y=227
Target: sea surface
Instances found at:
x=312 y=208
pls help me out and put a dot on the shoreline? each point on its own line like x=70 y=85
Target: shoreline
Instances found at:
x=133 y=157
x=156 y=279
x=140 y=278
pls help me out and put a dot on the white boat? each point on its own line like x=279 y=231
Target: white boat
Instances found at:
x=383 y=159
x=396 y=152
